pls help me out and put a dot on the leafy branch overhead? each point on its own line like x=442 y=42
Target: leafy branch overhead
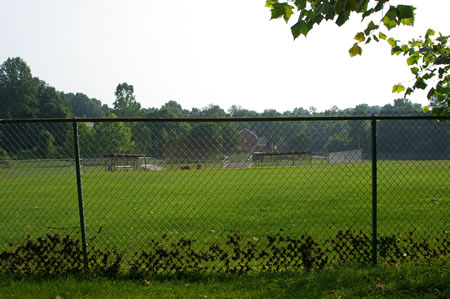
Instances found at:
x=427 y=57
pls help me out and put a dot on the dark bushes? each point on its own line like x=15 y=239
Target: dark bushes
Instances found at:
x=53 y=255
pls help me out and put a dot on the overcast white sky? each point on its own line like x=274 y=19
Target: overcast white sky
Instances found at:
x=204 y=52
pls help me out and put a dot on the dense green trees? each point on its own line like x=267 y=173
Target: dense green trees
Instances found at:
x=201 y=140
x=22 y=95
x=18 y=90
x=113 y=137
x=51 y=102
x=25 y=96
x=83 y=106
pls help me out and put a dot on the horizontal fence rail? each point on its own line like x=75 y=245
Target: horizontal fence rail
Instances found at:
x=222 y=194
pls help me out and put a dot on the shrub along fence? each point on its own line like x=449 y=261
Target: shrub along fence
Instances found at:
x=222 y=195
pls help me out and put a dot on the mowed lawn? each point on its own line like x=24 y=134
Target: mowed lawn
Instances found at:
x=125 y=210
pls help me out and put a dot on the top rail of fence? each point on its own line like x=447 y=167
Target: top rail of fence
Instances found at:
x=226 y=119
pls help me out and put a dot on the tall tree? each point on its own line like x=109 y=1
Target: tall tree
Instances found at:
x=25 y=96
x=52 y=105
x=18 y=90
x=238 y=111
x=51 y=102
x=428 y=57
x=175 y=108
x=126 y=104
x=212 y=111
x=113 y=137
x=83 y=106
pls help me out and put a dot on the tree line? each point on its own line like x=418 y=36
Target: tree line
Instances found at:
x=25 y=96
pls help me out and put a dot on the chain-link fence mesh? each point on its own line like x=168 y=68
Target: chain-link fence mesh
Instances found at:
x=262 y=193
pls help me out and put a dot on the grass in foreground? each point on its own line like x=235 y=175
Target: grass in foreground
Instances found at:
x=406 y=281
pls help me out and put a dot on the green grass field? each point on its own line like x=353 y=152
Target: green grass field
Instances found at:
x=125 y=210
x=429 y=280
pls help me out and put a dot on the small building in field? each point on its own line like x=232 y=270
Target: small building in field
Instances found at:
x=354 y=156
x=119 y=162
x=250 y=142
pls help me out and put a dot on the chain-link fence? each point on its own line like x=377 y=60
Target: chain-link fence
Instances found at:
x=228 y=194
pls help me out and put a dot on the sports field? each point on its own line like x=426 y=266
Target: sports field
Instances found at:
x=125 y=210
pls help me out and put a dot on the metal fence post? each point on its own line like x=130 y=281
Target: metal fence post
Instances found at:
x=374 y=189
x=80 y=195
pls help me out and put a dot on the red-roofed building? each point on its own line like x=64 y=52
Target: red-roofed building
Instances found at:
x=250 y=142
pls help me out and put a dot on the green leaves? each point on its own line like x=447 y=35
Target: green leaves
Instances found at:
x=281 y=10
x=413 y=59
x=269 y=3
x=443 y=59
x=370 y=27
x=398 y=88
x=391 y=41
x=405 y=14
x=360 y=37
x=355 y=50
x=300 y=28
x=396 y=15
x=389 y=19
x=428 y=58
x=430 y=32
x=300 y=4
x=314 y=11
x=420 y=84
